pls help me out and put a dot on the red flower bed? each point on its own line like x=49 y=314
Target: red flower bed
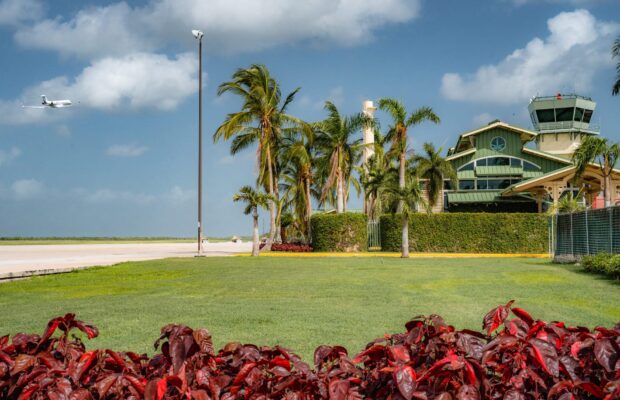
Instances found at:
x=295 y=247
x=515 y=358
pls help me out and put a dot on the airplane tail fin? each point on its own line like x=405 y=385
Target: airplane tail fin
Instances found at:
x=44 y=99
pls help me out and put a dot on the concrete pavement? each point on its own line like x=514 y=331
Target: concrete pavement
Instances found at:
x=27 y=260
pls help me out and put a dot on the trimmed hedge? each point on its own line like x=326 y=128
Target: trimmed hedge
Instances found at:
x=602 y=263
x=346 y=232
x=468 y=233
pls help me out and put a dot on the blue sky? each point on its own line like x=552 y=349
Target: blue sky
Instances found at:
x=123 y=160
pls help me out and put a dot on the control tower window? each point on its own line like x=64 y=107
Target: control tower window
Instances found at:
x=578 y=114
x=564 y=114
x=545 y=116
x=587 y=116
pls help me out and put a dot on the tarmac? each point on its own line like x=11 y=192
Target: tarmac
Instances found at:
x=21 y=261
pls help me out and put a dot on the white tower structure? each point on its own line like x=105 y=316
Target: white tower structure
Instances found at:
x=368 y=134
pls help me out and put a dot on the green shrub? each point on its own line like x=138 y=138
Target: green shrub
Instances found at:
x=602 y=263
x=468 y=233
x=346 y=232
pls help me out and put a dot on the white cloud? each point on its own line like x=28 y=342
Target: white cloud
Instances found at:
x=230 y=27
x=7 y=156
x=576 y=48
x=110 y=195
x=178 y=195
x=16 y=12
x=140 y=80
x=519 y=3
x=63 y=130
x=26 y=189
x=126 y=150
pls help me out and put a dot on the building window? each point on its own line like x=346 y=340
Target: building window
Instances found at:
x=498 y=143
x=467 y=167
x=578 y=114
x=587 y=116
x=515 y=162
x=495 y=184
x=498 y=161
x=564 y=114
x=528 y=166
x=467 y=184
x=481 y=184
x=545 y=116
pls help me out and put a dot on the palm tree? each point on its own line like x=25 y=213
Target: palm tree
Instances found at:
x=434 y=168
x=397 y=132
x=260 y=121
x=298 y=156
x=338 y=152
x=254 y=200
x=597 y=150
x=616 y=54
x=405 y=201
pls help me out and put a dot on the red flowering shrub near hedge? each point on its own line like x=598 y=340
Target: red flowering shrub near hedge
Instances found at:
x=294 y=247
x=514 y=358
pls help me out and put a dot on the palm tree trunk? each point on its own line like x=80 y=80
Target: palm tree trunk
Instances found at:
x=276 y=190
x=308 y=209
x=405 y=237
x=339 y=193
x=401 y=178
x=607 y=190
x=255 y=245
x=272 y=204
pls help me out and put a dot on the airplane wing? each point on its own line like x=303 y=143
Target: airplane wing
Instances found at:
x=34 y=106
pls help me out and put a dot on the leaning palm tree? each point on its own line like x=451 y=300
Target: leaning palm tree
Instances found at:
x=262 y=116
x=616 y=54
x=338 y=151
x=406 y=201
x=602 y=153
x=432 y=167
x=397 y=132
x=254 y=200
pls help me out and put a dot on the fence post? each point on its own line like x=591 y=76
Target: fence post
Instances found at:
x=611 y=231
x=572 y=236
x=587 y=235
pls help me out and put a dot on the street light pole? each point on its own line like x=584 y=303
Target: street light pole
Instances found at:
x=198 y=35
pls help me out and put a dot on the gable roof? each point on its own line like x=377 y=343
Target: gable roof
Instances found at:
x=465 y=143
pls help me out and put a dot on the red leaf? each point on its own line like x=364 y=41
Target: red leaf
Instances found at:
x=522 y=314
x=494 y=318
x=405 y=380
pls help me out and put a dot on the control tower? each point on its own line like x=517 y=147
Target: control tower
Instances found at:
x=562 y=122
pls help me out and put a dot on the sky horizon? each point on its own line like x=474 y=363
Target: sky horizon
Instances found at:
x=122 y=161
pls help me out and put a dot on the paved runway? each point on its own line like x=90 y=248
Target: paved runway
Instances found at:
x=25 y=260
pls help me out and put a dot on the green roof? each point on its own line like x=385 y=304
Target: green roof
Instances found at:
x=466 y=175
x=499 y=170
x=481 y=196
x=532 y=174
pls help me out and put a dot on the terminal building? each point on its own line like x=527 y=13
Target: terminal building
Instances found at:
x=505 y=168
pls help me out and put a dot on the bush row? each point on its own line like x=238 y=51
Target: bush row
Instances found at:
x=468 y=232
x=514 y=358
x=294 y=247
x=346 y=232
x=602 y=263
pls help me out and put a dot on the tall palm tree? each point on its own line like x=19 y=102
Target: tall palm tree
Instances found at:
x=397 y=132
x=338 y=151
x=616 y=54
x=298 y=155
x=404 y=200
x=254 y=200
x=432 y=167
x=262 y=116
x=599 y=151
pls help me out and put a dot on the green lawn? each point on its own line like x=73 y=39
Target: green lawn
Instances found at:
x=302 y=302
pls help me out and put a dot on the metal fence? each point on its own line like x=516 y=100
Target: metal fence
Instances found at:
x=586 y=232
x=374 y=234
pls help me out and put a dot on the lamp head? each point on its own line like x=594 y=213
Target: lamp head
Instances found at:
x=197 y=34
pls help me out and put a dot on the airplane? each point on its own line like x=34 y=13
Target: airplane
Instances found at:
x=51 y=103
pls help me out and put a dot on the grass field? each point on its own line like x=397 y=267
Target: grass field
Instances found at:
x=302 y=302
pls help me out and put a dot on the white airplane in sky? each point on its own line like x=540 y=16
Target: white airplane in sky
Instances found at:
x=51 y=103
